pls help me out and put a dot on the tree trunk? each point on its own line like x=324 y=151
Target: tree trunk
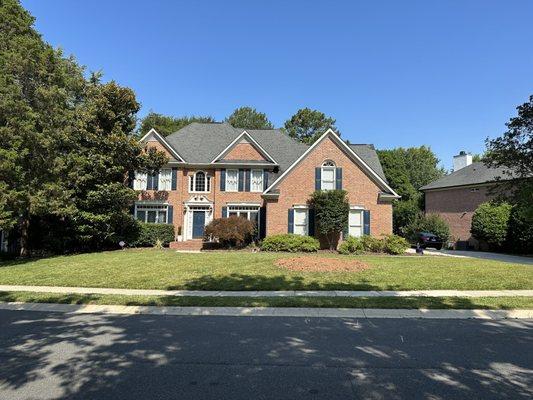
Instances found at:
x=24 y=234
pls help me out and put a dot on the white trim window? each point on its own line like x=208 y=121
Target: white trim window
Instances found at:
x=256 y=180
x=165 y=179
x=301 y=221
x=327 y=175
x=232 y=180
x=200 y=182
x=153 y=213
x=355 y=222
x=140 y=181
x=251 y=213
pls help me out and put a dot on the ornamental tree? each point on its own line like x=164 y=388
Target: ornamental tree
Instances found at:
x=331 y=213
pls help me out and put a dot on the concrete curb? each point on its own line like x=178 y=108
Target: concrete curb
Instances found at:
x=271 y=311
x=277 y=293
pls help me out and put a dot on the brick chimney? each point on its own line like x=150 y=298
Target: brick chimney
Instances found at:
x=461 y=160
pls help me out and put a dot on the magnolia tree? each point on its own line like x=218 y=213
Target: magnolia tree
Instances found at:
x=331 y=213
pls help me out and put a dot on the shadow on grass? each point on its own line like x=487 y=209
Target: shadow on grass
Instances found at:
x=237 y=281
x=317 y=302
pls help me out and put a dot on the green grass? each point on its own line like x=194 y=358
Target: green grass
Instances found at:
x=164 y=269
x=503 y=303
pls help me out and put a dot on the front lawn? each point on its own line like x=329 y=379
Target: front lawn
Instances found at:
x=166 y=269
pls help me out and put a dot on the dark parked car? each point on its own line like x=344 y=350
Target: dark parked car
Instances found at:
x=428 y=239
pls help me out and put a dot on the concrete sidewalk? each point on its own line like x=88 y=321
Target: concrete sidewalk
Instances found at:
x=271 y=311
x=279 y=293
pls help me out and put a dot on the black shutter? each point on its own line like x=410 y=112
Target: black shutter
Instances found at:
x=265 y=179
x=174 y=179
x=290 y=225
x=222 y=180
x=224 y=212
x=311 y=216
x=262 y=222
x=346 y=229
x=338 y=179
x=170 y=215
x=366 y=222
x=149 y=180
x=155 y=181
x=241 y=180
x=318 y=178
x=131 y=178
x=247 y=181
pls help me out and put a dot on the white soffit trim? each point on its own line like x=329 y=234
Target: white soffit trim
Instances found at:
x=237 y=140
x=163 y=142
x=341 y=142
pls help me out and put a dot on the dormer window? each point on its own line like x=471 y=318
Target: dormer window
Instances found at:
x=327 y=175
x=200 y=182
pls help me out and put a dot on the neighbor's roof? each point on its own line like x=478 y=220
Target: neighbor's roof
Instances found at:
x=475 y=173
x=200 y=143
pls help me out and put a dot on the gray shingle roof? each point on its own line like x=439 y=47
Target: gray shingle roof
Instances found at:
x=200 y=143
x=473 y=174
x=370 y=157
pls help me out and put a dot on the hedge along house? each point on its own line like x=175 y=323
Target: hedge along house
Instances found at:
x=217 y=171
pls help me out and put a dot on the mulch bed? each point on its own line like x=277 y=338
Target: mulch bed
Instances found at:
x=321 y=264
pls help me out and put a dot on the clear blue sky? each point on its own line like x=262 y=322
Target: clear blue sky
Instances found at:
x=393 y=73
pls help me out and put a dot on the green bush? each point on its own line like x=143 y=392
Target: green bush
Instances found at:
x=372 y=244
x=231 y=232
x=148 y=234
x=290 y=242
x=431 y=223
x=490 y=223
x=394 y=244
x=352 y=245
x=331 y=213
x=520 y=231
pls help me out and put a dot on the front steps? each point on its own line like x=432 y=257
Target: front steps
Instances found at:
x=189 y=245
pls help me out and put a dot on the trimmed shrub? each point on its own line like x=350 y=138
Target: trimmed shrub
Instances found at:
x=290 y=242
x=490 y=222
x=331 y=213
x=372 y=244
x=148 y=234
x=394 y=244
x=352 y=245
x=431 y=223
x=231 y=232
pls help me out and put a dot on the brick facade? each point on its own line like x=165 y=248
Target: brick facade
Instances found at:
x=298 y=185
x=295 y=189
x=456 y=206
x=244 y=151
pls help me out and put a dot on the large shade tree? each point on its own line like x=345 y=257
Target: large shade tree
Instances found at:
x=249 y=118
x=408 y=169
x=65 y=142
x=308 y=125
x=167 y=124
x=514 y=151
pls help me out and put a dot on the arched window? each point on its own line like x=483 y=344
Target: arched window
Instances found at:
x=200 y=182
x=327 y=175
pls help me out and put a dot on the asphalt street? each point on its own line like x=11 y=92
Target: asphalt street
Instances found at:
x=92 y=356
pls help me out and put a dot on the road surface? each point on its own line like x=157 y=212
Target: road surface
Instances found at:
x=66 y=356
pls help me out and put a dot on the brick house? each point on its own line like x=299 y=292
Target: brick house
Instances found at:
x=217 y=171
x=456 y=196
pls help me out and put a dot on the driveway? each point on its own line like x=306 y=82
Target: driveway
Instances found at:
x=96 y=356
x=485 y=255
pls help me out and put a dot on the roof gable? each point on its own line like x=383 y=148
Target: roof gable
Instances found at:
x=348 y=150
x=244 y=146
x=154 y=136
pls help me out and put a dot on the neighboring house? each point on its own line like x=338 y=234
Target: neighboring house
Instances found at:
x=456 y=196
x=217 y=171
